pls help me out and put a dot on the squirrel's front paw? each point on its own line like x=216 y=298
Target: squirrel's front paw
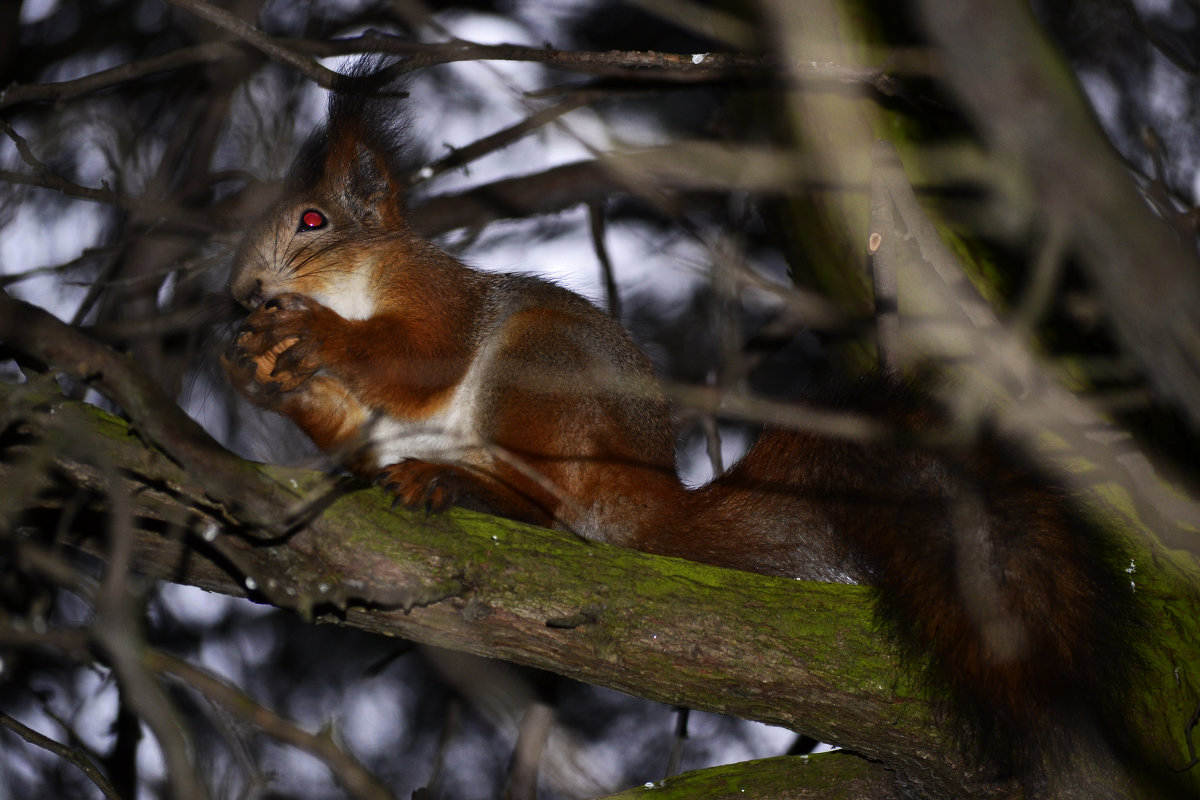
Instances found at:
x=275 y=350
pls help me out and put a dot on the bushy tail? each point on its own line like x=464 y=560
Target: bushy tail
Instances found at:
x=984 y=571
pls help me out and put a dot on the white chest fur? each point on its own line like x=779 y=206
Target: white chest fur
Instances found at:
x=349 y=294
x=449 y=435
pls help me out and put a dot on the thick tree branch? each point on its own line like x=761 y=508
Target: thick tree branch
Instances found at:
x=819 y=777
x=625 y=64
x=805 y=656
x=664 y=176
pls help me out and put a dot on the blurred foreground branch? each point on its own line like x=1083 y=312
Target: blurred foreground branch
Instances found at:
x=1062 y=170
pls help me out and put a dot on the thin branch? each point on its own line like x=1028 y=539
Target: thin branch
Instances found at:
x=23 y=148
x=45 y=178
x=36 y=558
x=1048 y=268
x=612 y=295
x=555 y=189
x=503 y=138
x=882 y=257
x=119 y=640
x=1169 y=52
x=732 y=404
x=116 y=630
x=1166 y=201
x=157 y=417
x=265 y=44
x=349 y=772
x=656 y=175
x=531 y=742
x=80 y=760
x=59 y=91
x=299 y=54
x=49 y=180
x=59 y=270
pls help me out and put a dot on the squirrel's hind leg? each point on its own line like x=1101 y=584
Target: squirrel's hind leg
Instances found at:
x=434 y=487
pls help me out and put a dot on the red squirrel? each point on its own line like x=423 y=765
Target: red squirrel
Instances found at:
x=511 y=394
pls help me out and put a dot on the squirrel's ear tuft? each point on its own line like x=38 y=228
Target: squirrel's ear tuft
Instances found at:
x=361 y=152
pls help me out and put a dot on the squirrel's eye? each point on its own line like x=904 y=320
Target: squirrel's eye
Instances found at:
x=311 y=220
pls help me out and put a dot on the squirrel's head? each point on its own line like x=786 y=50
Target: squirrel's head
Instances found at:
x=341 y=206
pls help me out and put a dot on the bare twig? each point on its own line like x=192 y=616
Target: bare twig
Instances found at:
x=1047 y=270
x=260 y=41
x=657 y=175
x=299 y=55
x=631 y=64
x=80 y=760
x=35 y=558
x=682 y=716
x=612 y=295
x=116 y=631
x=49 y=180
x=1169 y=52
x=1166 y=201
x=42 y=176
x=59 y=91
x=527 y=752
x=732 y=404
x=55 y=269
x=157 y=417
x=503 y=138
x=554 y=189
x=350 y=773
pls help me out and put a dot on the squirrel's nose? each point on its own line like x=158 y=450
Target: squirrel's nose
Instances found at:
x=249 y=295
